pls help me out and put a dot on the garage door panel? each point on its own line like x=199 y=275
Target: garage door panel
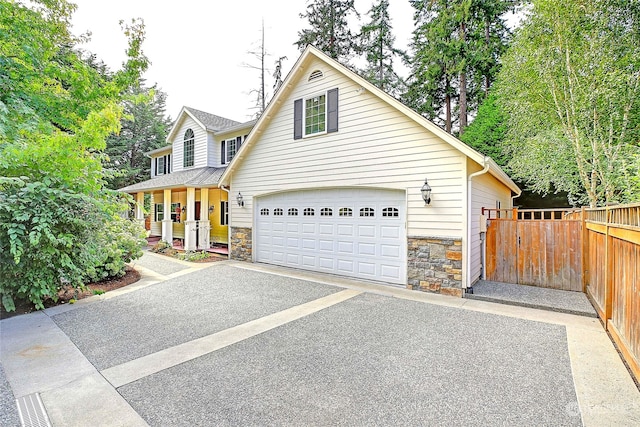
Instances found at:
x=325 y=229
x=366 y=249
x=345 y=266
x=392 y=251
x=326 y=245
x=389 y=232
x=351 y=232
x=310 y=244
x=309 y=228
x=367 y=231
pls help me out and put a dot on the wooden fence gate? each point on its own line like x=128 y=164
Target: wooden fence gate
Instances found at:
x=538 y=247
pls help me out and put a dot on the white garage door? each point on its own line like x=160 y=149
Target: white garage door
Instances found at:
x=350 y=232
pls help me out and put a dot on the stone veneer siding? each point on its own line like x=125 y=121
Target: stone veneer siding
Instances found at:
x=435 y=265
x=241 y=244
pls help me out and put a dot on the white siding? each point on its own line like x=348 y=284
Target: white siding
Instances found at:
x=200 y=145
x=213 y=151
x=376 y=146
x=486 y=191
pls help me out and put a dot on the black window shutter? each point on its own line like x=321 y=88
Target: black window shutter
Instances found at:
x=297 y=119
x=223 y=152
x=238 y=143
x=156 y=168
x=332 y=110
x=222 y=212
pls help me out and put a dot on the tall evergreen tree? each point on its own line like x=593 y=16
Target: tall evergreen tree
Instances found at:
x=329 y=30
x=456 y=49
x=377 y=43
x=144 y=128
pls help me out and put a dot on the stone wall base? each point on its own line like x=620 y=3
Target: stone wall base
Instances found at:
x=241 y=247
x=435 y=265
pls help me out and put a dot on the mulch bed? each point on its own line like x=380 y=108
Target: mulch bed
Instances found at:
x=65 y=295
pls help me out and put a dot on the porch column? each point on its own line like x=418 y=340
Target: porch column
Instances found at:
x=190 y=243
x=167 y=224
x=203 y=225
x=139 y=208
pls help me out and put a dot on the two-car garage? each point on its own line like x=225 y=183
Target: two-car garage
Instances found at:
x=356 y=232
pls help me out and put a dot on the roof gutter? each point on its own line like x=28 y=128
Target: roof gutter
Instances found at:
x=486 y=164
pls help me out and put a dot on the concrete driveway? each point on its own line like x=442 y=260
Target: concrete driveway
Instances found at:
x=244 y=344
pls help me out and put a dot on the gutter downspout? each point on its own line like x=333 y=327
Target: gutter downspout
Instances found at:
x=486 y=164
x=228 y=191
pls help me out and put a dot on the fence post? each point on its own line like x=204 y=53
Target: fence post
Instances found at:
x=585 y=248
x=608 y=262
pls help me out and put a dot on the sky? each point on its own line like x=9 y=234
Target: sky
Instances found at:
x=199 y=49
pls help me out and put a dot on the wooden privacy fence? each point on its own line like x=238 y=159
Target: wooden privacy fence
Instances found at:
x=538 y=247
x=613 y=274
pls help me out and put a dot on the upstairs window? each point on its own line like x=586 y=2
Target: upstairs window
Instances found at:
x=229 y=148
x=163 y=165
x=316 y=115
x=188 y=153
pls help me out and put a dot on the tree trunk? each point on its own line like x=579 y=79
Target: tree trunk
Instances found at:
x=463 y=85
x=487 y=35
x=447 y=103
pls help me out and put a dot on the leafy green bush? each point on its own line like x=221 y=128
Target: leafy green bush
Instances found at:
x=51 y=235
x=193 y=255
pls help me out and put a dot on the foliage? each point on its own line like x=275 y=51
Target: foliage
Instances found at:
x=488 y=130
x=569 y=86
x=329 y=30
x=163 y=247
x=50 y=236
x=57 y=221
x=456 y=49
x=377 y=43
x=144 y=127
x=193 y=255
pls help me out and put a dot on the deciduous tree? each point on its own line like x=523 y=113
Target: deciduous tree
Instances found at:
x=569 y=86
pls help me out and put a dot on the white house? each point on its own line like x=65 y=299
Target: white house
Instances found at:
x=329 y=179
x=186 y=202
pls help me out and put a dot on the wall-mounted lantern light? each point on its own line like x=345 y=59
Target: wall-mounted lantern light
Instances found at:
x=240 y=200
x=184 y=209
x=211 y=209
x=426 y=192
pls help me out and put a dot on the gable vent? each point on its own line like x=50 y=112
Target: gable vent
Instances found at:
x=317 y=74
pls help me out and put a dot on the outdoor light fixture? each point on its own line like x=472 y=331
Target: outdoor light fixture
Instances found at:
x=184 y=209
x=240 y=200
x=212 y=208
x=426 y=192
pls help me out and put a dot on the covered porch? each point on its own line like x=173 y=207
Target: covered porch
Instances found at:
x=187 y=217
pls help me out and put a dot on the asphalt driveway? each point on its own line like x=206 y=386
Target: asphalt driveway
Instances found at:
x=232 y=345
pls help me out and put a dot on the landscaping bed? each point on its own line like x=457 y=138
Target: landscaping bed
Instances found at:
x=67 y=295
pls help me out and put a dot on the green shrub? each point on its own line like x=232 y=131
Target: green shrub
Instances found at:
x=51 y=236
x=193 y=255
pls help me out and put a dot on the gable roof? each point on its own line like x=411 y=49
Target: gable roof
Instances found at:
x=207 y=121
x=287 y=86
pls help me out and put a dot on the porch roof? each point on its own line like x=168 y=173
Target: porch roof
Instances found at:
x=200 y=177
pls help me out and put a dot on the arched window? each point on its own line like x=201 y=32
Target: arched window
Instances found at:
x=309 y=212
x=367 y=212
x=345 y=212
x=390 y=212
x=326 y=212
x=264 y=211
x=187 y=157
x=293 y=212
x=277 y=212
x=317 y=74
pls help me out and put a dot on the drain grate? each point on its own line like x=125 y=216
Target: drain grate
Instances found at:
x=32 y=412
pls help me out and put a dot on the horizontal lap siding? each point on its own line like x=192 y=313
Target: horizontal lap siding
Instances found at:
x=200 y=145
x=375 y=146
x=486 y=190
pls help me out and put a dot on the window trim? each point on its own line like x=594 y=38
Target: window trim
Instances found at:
x=304 y=114
x=191 y=140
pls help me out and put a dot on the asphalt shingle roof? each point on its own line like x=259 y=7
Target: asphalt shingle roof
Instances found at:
x=200 y=177
x=211 y=121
